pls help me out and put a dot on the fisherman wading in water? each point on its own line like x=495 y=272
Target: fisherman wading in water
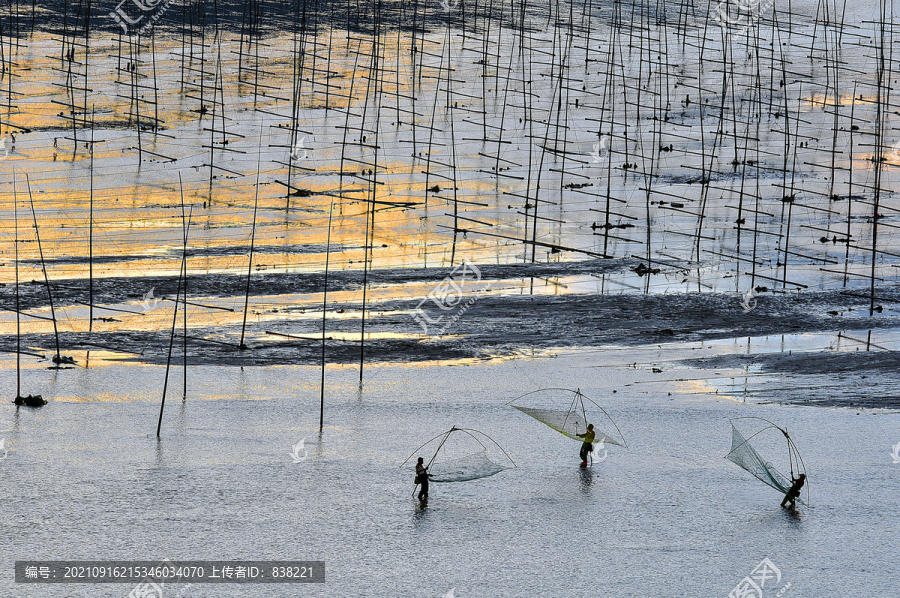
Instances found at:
x=588 y=446
x=794 y=493
x=422 y=476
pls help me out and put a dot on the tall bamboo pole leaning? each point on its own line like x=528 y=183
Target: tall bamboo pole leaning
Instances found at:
x=324 y=312
x=162 y=404
x=242 y=346
x=56 y=358
x=184 y=226
x=18 y=307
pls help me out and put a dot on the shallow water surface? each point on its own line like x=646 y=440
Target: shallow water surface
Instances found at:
x=87 y=479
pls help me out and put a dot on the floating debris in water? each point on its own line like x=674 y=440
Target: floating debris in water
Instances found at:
x=642 y=270
x=30 y=401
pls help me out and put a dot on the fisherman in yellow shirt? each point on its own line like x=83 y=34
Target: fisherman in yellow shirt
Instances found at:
x=588 y=446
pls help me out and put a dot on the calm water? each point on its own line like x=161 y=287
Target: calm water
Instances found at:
x=452 y=164
x=85 y=478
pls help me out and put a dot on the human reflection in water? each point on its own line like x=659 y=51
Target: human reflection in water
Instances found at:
x=587 y=479
x=794 y=517
x=420 y=512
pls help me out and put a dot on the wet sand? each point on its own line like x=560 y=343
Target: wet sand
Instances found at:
x=504 y=317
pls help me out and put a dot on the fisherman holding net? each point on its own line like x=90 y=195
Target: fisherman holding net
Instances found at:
x=588 y=445
x=422 y=476
x=794 y=493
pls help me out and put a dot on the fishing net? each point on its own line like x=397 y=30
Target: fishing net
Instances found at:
x=463 y=469
x=460 y=455
x=568 y=422
x=745 y=456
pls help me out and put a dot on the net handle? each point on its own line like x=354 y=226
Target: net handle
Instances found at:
x=577 y=393
x=792 y=448
x=611 y=420
x=572 y=410
x=439 y=448
x=793 y=451
x=420 y=448
x=446 y=435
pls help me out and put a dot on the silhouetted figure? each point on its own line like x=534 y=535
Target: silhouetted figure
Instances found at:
x=794 y=493
x=422 y=476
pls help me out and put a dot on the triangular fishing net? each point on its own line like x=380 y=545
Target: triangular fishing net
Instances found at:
x=745 y=456
x=460 y=455
x=568 y=422
x=463 y=469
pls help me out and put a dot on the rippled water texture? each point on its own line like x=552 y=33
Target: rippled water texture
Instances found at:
x=89 y=480
x=694 y=213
